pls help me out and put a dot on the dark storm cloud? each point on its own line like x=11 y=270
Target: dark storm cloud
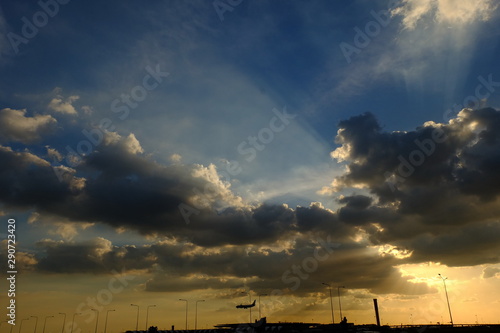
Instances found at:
x=436 y=212
x=315 y=216
x=463 y=153
x=27 y=180
x=434 y=190
x=234 y=261
x=181 y=284
x=71 y=258
x=119 y=186
x=97 y=256
x=316 y=219
x=480 y=159
x=373 y=154
x=25 y=262
x=360 y=210
x=349 y=264
x=470 y=245
x=261 y=224
x=297 y=270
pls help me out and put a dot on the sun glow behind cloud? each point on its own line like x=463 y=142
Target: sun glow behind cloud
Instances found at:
x=469 y=292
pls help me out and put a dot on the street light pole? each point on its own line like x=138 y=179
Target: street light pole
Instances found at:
x=250 y=308
x=36 y=323
x=185 y=300
x=11 y=326
x=21 y=325
x=64 y=321
x=340 y=305
x=447 y=299
x=331 y=300
x=45 y=321
x=96 y=320
x=73 y=321
x=259 y=304
x=106 y=321
x=137 y=321
x=196 y=312
x=147 y=314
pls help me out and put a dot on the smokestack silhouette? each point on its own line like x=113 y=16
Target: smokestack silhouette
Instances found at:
x=375 y=304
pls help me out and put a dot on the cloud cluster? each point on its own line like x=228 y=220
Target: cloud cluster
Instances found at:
x=436 y=34
x=444 y=11
x=429 y=192
x=439 y=38
x=27 y=180
x=428 y=195
x=175 y=266
x=61 y=105
x=119 y=186
x=15 y=126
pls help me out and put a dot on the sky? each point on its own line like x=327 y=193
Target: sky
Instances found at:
x=226 y=151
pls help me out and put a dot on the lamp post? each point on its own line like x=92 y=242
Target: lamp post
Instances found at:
x=106 y=321
x=147 y=314
x=73 y=321
x=64 y=321
x=185 y=300
x=21 y=325
x=259 y=304
x=196 y=313
x=250 y=308
x=45 y=322
x=96 y=320
x=36 y=323
x=5 y=321
x=447 y=300
x=340 y=305
x=331 y=300
x=137 y=321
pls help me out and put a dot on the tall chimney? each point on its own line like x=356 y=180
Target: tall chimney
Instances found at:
x=375 y=304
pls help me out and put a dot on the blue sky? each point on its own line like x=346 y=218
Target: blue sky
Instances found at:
x=275 y=121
